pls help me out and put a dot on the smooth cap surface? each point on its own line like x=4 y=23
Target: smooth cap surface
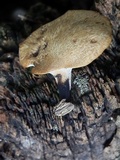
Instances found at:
x=73 y=40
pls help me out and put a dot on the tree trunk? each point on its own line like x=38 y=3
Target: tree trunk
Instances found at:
x=29 y=128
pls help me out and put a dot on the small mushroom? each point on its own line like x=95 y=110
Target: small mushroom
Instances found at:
x=73 y=40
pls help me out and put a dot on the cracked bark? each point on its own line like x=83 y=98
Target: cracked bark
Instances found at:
x=30 y=130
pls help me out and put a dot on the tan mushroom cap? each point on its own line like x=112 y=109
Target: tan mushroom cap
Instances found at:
x=71 y=41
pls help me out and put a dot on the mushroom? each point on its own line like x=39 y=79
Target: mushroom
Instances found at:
x=73 y=40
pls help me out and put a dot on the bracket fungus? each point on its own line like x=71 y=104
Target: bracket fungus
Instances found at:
x=73 y=40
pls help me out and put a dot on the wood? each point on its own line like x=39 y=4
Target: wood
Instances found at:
x=30 y=130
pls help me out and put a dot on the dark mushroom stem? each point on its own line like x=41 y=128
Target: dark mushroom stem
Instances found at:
x=63 y=79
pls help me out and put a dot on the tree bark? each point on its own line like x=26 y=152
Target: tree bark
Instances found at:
x=29 y=128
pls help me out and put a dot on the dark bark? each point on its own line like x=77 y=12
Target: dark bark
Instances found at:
x=28 y=127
